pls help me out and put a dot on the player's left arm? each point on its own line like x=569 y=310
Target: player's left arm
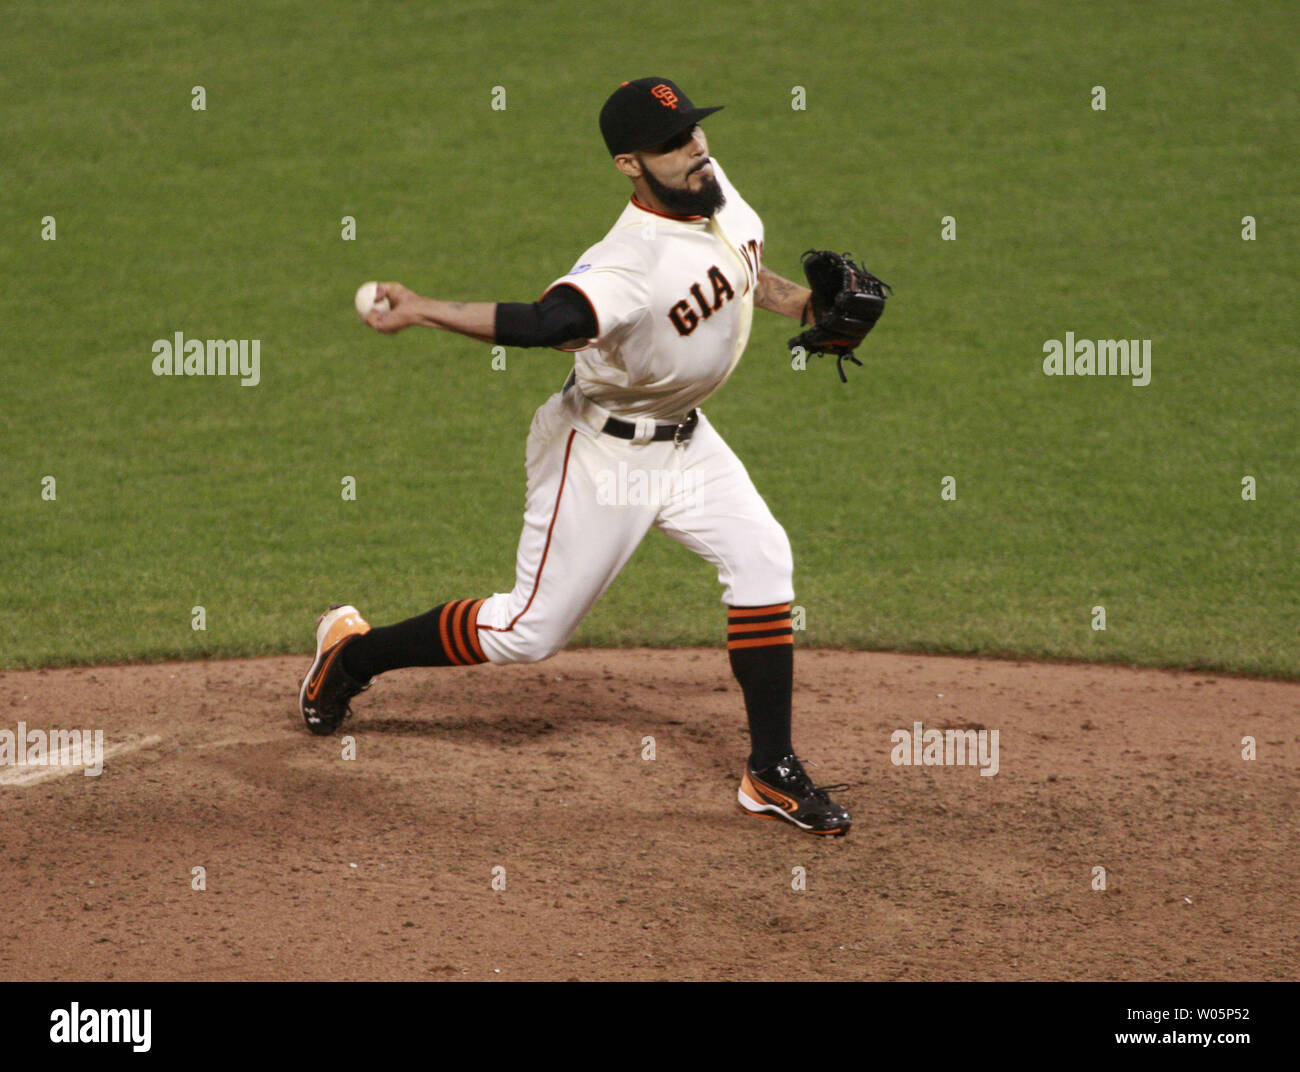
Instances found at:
x=781 y=296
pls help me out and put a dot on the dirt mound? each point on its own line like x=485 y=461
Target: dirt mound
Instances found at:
x=616 y=866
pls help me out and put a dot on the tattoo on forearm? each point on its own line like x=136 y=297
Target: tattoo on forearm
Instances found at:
x=781 y=288
x=778 y=295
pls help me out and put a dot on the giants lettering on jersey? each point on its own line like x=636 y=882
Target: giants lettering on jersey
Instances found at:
x=685 y=319
x=752 y=254
x=673 y=304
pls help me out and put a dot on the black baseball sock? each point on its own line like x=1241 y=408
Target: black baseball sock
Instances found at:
x=760 y=644
x=444 y=636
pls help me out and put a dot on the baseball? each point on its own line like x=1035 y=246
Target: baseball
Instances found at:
x=365 y=300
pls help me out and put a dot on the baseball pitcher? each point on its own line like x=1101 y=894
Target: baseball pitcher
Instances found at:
x=656 y=315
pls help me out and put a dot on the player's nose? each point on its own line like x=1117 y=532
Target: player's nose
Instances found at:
x=699 y=152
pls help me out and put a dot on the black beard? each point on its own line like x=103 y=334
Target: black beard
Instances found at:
x=682 y=201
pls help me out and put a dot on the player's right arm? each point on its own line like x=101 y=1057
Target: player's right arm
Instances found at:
x=407 y=308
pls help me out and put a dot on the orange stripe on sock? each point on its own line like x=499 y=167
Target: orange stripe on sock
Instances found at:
x=457 y=636
x=471 y=630
x=752 y=612
x=753 y=627
x=760 y=642
x=443 y=622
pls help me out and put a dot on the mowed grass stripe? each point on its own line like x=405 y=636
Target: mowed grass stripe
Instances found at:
x=226 y=223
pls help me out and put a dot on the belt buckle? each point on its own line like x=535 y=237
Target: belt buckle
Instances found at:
x=683 y=432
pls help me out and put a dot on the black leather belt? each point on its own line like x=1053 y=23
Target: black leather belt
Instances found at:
x=621 y=429
x=678 y=433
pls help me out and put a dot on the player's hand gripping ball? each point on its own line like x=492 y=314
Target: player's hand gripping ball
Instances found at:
x=365 y=300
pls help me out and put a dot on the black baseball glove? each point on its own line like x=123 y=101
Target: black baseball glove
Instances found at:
x=846 y=301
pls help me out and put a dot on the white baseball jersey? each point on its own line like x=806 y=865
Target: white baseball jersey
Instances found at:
x=674 y=301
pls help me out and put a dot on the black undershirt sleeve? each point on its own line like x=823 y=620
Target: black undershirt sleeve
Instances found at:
x=563 y=316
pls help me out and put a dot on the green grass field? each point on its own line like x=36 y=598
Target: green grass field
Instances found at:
x=225 y=223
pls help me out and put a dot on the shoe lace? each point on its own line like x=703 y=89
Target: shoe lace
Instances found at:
x=352 y=691
x=822 y=793
x=364 y=688
x=822 y=790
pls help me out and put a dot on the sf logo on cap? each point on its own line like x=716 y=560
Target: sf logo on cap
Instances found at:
x=664 y=95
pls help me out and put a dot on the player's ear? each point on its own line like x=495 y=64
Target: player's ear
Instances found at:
x=628 y=164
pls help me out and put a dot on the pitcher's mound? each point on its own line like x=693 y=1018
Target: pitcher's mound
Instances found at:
x=510 y=823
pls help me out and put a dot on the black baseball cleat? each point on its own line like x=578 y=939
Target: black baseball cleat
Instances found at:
x=785 y=791
x=327 y=690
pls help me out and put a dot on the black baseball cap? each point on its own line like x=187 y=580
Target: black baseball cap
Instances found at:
x=645 y=113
